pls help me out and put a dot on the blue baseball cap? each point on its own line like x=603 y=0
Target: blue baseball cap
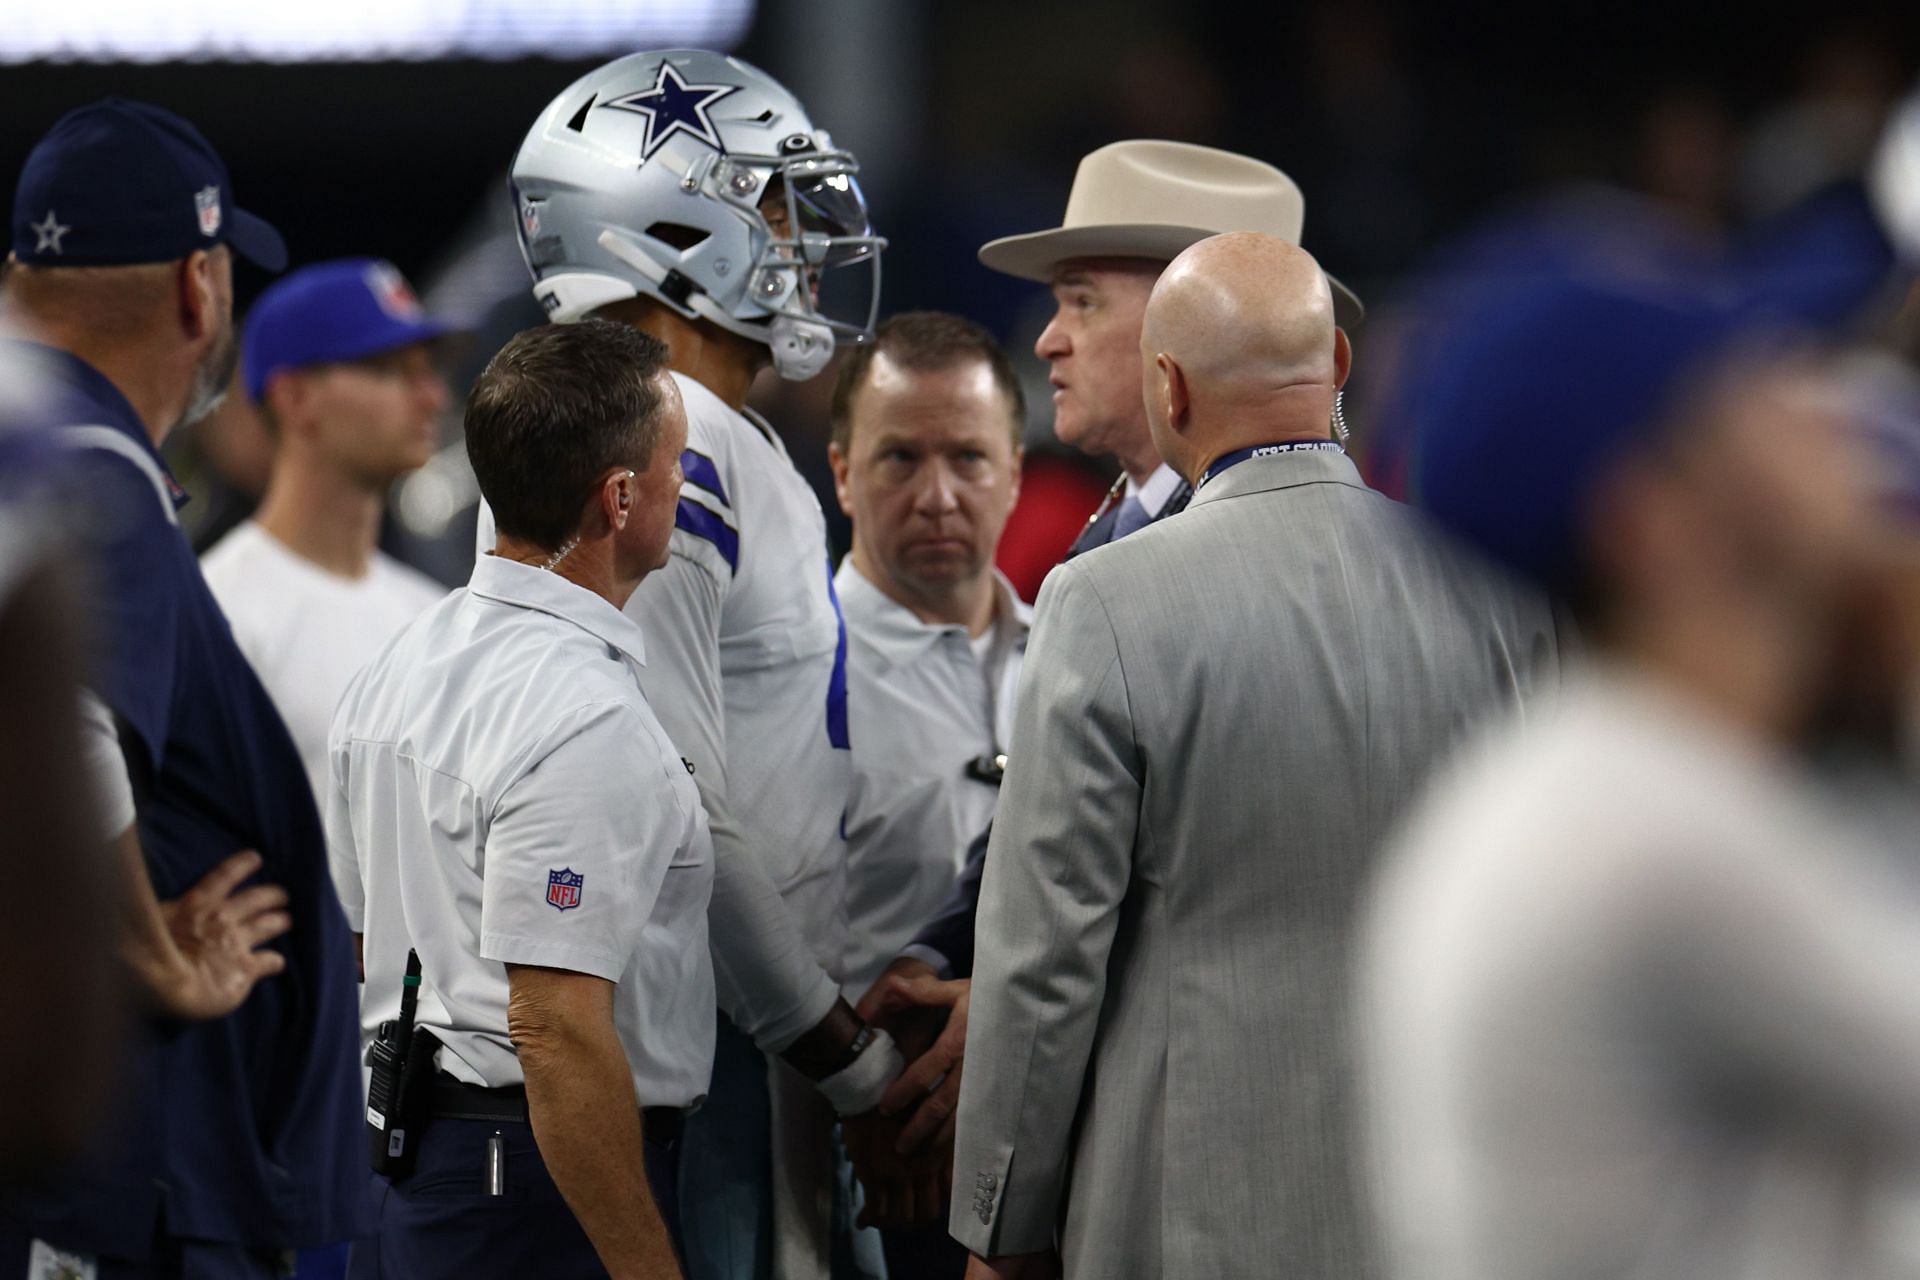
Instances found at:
x=347 y=309
x=119 y=183
x=1540 y=395
x=1538 y=384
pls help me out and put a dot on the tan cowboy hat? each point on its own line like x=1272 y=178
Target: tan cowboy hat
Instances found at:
x=1149 y=199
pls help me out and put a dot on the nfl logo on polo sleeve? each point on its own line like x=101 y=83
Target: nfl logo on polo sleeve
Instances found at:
x=563 y=888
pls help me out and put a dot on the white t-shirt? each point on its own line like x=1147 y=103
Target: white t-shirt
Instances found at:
x=1635 y=1005
x=928 y=700
x=306 y=630
x=501 y=793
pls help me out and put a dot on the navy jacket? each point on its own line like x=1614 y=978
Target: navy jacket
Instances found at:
x=246 y=1129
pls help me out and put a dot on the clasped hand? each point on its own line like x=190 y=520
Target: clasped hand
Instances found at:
x=903 y=1150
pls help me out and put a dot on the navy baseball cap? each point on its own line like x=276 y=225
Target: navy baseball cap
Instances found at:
x=119 y=183
x=347 y=309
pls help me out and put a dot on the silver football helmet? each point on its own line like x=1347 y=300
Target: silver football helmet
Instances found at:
x=693 y=178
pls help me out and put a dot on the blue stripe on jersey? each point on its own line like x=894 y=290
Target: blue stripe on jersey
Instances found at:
x=702 y=523
x=837 y=734
x=698 y=468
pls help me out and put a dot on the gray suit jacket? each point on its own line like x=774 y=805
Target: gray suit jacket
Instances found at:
x=1219 y=718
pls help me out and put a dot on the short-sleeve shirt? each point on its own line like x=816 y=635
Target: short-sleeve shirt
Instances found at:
x=751 y=660
x=244 y=1129
x=501 y=793
x=307 y=630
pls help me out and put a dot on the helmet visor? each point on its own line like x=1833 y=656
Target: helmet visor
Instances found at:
x=830 y=213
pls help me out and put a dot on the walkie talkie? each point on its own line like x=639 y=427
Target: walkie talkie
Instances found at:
x=395 y=1059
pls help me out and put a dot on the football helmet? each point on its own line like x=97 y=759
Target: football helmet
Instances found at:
x=695 y=179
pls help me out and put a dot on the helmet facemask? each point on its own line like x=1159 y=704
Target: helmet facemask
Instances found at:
x=815 y=219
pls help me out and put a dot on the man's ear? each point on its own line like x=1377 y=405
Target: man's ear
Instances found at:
x=199 y=296
x=837 y=459
x=1173 y=390
x=1342 y=358
x=285 y=398
x=616 y=497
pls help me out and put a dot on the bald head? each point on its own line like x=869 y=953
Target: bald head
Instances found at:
x=1239 y=347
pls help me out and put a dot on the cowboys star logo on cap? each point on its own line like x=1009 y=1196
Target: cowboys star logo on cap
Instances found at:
x=207 y=201
x=674 y=106
x=47 y=234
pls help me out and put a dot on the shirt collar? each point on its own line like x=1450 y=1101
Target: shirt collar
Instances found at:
x=1159 y=487
x=544 y=591
x=87 y=396
x=898 y=635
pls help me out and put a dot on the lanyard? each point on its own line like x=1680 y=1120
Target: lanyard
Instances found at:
x=1239 y=456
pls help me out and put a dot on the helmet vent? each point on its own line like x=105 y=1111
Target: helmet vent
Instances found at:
x=677 y=234
x=764 y=116
x=579 y=122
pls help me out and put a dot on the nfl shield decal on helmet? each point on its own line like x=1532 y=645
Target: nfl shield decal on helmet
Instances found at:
x=563 y=889
x=207 y=202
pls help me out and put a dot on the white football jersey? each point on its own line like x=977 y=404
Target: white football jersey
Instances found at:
x=753 y=527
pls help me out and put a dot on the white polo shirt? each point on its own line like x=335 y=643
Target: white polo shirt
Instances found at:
x=502 y=793
x=927 y=700
x=749 y=677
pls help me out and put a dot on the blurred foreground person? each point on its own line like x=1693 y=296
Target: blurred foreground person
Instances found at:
x=506 y=808
x=339 y=358
x=234 y=1140
x=57 y=885
x=1636 y=1005
x=1220 y=716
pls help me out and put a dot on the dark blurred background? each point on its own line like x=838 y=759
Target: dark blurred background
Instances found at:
x=1401 y=121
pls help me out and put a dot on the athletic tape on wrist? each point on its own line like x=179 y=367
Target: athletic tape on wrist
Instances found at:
x=857 y=1087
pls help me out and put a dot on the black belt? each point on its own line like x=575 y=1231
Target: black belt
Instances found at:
x=450 y=1099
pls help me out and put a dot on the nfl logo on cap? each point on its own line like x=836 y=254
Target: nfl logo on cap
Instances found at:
x=207 y=202
x=563 y=889
x=391 y=290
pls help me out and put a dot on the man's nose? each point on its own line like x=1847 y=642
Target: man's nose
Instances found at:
x=433 y=394
x=936 y=493
x=1052 y=342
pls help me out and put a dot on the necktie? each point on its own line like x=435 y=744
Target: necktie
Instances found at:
x=1133 y=515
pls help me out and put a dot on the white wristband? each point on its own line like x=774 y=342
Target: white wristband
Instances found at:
x=856 y=1088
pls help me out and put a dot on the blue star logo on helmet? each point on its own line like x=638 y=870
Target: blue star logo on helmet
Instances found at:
x=674 y=106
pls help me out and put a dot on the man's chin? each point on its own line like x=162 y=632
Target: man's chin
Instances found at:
x=934 y=571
